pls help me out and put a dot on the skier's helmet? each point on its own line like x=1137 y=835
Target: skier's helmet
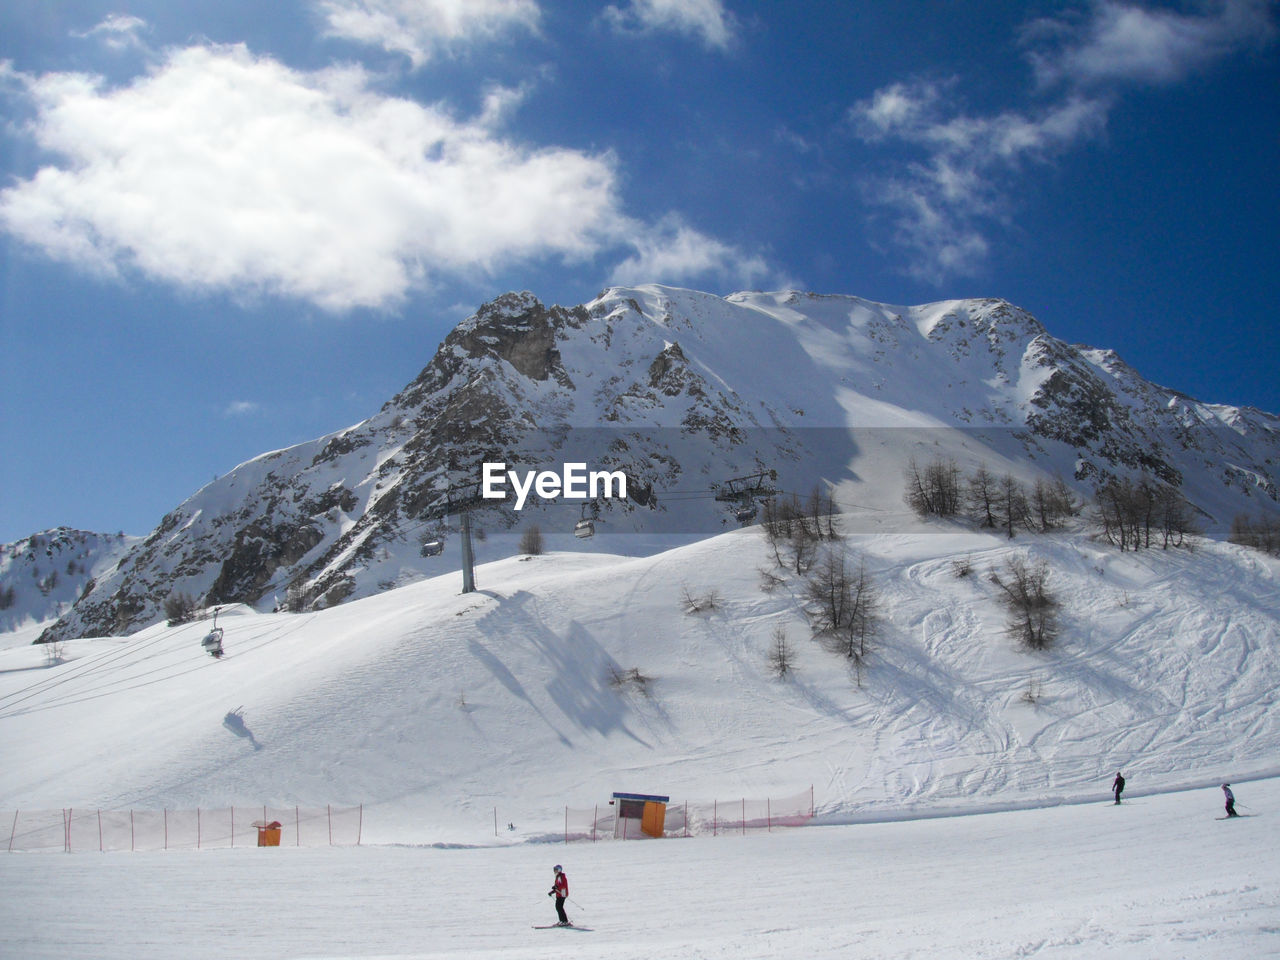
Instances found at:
x=557 y=868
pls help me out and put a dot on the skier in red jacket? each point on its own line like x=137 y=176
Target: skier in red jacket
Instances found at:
x=561 y=892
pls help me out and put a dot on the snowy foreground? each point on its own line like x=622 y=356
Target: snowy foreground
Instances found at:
x=1155 y=878
x=961 y=790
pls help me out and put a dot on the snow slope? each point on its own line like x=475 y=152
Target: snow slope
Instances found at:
x=1150 y=880
x=433 y=709
x=439 y=711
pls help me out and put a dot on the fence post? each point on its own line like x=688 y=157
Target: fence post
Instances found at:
x=744 y=816
x=233 y=826
x=166 y=828
x=595 y=818
x=329 y=810
x=13 y=831
x=297 y=826
x=100 y=850
x=66 y=825
x=715 y=817
x=566 y=823
x=133 y=844
x=199 y=833
x=811 y=801
x=686 y=818
x=360 y=826
x=768 y=812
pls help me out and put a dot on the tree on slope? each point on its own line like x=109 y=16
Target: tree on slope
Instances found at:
x=1031 y=608
x=842 y=606
x=933 y=490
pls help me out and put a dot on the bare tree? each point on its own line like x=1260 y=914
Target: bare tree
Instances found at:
x=179 y=608
x=791 y=535
x=531 y=542
x=1011 y=505
x=842 y=606
x=1260 y=533
x=1175 y=516
x=1132 y=514
x=821 y=515
x=1032 y=609
x=700 y=602
x=1051 y=503
x=933 y=490
x=781 y=656
x=981 y=496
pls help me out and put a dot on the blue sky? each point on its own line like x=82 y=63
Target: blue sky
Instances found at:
x=230 y=227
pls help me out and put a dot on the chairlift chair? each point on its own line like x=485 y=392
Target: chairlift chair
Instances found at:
x=586 y=525
x=746 y=513
x=212 y=642
x=433 y=548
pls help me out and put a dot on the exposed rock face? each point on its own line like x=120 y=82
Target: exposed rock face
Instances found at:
x=43 y=575
x=681 y=390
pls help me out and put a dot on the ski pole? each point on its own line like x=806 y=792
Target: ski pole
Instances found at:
x=576 y=904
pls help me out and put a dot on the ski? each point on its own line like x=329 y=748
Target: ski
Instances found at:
x=559 y=926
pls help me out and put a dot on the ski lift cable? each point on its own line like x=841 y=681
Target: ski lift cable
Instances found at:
x=271 y=637
x=85 y=667
x=83 y=664
x=113 y=689
x=113 y=686
x=80 y=668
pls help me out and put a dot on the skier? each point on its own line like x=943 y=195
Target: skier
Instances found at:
x=561 y=892
x=1231 y=800
x=1117 y=786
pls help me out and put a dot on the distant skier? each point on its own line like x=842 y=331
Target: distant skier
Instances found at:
x=1231 y=800
x=1117 y=786
x=561 y=892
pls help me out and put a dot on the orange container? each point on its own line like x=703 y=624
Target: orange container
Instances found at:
x=269 y=834
x=654 y=819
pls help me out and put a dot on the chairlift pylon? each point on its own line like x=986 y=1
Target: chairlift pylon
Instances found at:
x=748 y=488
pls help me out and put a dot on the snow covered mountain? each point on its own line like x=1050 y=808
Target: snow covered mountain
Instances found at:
x=682 y=391
x=42 y=575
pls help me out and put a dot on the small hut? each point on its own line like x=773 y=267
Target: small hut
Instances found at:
x=639 y=814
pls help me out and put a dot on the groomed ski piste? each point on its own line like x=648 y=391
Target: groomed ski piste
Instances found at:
x=961 y=791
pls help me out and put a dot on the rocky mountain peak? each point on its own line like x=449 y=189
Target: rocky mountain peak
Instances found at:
x=681 y=390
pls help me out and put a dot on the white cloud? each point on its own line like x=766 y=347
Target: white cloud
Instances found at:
x=117 y=32
x=705 y=19
x=673 y=252
x=420 y=29
x=965 y=171
x=241 y=408
x=220 y=170
x=1130 y=42
x=939 y=202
